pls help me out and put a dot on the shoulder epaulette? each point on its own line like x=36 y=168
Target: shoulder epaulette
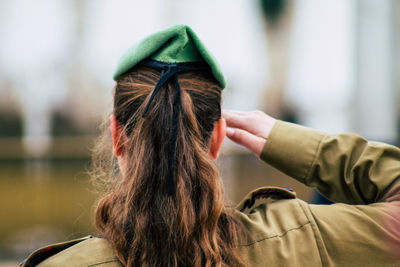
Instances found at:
x=46 y=252
x=267 y=194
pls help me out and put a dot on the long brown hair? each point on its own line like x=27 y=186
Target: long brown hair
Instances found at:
x=145 y=225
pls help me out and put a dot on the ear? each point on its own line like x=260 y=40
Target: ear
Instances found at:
x=217 y=137
x=116 y=135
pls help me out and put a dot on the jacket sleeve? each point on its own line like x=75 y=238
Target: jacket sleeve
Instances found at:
x=362 y=177
x=345 y=168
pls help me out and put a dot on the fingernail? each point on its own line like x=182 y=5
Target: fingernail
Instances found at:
x=229 y=131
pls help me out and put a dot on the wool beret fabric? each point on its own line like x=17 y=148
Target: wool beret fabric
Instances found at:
x=176 y=44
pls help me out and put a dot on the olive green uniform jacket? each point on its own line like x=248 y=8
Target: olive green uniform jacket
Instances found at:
x=362 y=229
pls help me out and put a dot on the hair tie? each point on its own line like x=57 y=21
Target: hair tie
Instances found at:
x=169 y=71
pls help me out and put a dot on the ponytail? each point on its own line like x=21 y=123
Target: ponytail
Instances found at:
x=145 y=225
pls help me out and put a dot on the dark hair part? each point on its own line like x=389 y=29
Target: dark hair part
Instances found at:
x=145 y=226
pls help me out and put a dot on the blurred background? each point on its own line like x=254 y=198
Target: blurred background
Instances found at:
x=331 y=64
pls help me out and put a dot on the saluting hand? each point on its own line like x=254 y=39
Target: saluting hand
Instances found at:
x=249 y=129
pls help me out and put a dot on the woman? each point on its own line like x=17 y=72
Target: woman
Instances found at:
x=164 y=205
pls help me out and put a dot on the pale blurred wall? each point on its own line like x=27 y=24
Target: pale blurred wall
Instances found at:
x=376 y=103
x=342 y=66
x=36 y=42
x=321 y=63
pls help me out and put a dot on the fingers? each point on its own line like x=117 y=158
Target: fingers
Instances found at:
x=255 y=122
x=240 y=119
x=252 y=142
x=249 y=129
x=236 y=119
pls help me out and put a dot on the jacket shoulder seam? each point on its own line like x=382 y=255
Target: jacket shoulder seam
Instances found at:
x=99 y=263
x=276 y=236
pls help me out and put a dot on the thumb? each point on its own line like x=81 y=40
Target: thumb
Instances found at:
x=252 y=142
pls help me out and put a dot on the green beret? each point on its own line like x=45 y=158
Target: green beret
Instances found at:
x=177 y=44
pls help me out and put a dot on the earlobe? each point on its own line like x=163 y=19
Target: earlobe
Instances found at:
x=217 y=137
x=116 y=135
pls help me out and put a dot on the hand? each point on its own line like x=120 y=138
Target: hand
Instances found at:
x=249 y=129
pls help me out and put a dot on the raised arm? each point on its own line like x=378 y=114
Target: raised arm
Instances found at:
x=345 y=168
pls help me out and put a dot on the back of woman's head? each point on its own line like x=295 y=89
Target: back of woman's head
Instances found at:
x=146 y=225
